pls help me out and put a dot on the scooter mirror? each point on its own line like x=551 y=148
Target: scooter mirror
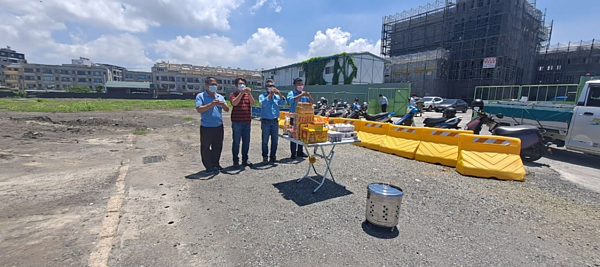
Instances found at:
x=499 y=116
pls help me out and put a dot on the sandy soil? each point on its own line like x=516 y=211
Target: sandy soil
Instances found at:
x=81 y=189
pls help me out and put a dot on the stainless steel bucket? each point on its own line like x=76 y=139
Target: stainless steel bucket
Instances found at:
x=383 y=204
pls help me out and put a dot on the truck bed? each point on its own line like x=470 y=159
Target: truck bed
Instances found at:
x=554 y=118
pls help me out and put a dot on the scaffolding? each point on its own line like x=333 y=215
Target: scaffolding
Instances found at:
x=507 y=33
x=567 y=62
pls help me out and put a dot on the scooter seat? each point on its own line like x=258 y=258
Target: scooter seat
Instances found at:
x=434 y=121
x=376 y=116
x=515 y=130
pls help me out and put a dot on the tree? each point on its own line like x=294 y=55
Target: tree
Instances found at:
x=99 y=88
x=79 y=89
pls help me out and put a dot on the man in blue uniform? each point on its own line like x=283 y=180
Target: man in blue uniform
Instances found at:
x=270 y=102
x=294 y=97
x=210 y=106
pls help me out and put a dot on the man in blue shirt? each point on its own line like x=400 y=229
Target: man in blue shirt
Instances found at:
x=210 y=106
x=295 y=96
x=270 y=102
x=383 y=101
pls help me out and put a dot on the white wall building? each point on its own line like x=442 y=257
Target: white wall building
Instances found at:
x=370 y=71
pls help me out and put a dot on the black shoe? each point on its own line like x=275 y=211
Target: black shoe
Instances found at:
x=265 y=159
x=217 y=169
x=302 y=155
x=293 y=157
x=236 y=164
x=273 y=159
x=210 y=171
x=247 y=164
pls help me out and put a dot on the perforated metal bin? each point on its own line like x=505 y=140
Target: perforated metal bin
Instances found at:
x=383 y=204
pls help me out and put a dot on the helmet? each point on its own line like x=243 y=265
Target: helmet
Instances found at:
x=477 y=104
x=449 y=113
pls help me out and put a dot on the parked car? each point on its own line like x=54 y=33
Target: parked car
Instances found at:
x=458 y=104
x=430 y=101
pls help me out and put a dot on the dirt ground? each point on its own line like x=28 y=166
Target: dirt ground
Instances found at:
x=83 y=189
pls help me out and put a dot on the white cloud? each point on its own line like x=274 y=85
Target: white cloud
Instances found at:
x=335 y=41
x=276 y=6
x=130 y=15
x=257 y=6
x=263 y=49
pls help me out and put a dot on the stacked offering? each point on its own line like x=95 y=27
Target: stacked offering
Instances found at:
x=340 y=132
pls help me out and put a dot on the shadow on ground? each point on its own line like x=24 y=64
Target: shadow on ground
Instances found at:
x=302 y=193
x=380 y=232
x=201 y=175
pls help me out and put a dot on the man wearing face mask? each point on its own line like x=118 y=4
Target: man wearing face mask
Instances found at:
x=241 y=116
x=270 y=102
x=294 y=97
x=210 y=106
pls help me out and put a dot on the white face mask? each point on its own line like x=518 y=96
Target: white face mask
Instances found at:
x=299 y=88
x=269 y=89
x=241 y=86
x=212 y=88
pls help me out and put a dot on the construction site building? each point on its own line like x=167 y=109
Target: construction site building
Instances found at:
x=458 y=45
x=566 y=63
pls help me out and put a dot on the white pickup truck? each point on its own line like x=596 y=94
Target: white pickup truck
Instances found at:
x=575 y=126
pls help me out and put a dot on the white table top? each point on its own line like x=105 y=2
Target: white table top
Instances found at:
x=344 y=142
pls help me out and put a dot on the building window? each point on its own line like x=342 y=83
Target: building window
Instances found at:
x=47 y=71
x=559 y=67
x=80 y=72
x=28 y=70
x=328 y=70
x=82 y=80
x=550 y=67
x=142 y=77
x=97 y=73
x=300 y=74
x=48 y=79
x=89 y=73
x=65 y=79
x=98 y=81
x=128 y=76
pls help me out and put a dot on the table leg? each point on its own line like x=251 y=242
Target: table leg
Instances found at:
x=328 y=159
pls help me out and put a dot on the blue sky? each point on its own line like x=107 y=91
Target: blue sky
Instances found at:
x=238 y=33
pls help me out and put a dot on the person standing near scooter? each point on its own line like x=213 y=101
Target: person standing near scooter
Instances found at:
x=270 y=101
x=294 y=97
x=383 y=102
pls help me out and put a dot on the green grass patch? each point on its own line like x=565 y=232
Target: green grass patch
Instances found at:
x=77 y=105
x=188 y=119
x=140 y=132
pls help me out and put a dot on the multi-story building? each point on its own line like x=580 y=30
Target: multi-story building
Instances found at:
x=137 y=76
x=369 y=70
x=9 y=76
x=59 y=77
x=189 y=79
x=566 y=63
x=480 y=42
x=115 y=73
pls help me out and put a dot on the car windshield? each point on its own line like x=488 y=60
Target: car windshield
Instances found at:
x=425 y=99
x=449 y=101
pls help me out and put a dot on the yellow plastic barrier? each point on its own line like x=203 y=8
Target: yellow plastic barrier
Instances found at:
x=439 y=146
x=402 y=141
x=371 y=134
x=490 y=157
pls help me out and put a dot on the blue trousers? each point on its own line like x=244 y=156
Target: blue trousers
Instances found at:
x=269 y=129
x=241 y=131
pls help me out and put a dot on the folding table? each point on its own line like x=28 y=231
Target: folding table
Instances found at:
x=315 y=153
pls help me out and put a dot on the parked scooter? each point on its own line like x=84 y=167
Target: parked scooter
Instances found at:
x=449 y=120
x=408 y=119
x=379 y=117
x=533 y=146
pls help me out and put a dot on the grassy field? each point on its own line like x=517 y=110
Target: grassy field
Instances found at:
x=81 y=105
